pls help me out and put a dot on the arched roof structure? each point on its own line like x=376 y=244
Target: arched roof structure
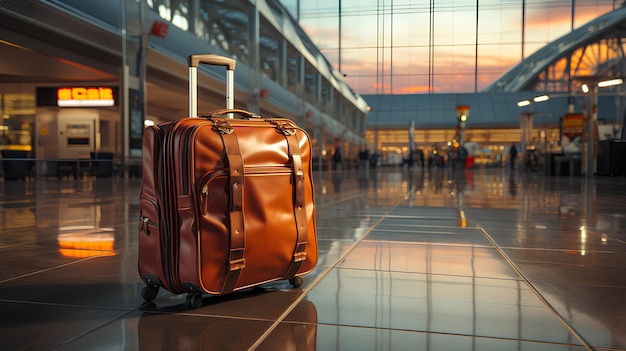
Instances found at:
x=594 y=50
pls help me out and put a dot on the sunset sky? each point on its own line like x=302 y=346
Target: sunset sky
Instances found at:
x=414 y=47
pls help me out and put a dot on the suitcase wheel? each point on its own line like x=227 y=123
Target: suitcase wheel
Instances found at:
x=296 y=281
x=193 y=300
x=149 y=292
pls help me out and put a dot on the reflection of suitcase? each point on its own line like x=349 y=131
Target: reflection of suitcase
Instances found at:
x=226 y=204
x=297 y=335
x=174 y=331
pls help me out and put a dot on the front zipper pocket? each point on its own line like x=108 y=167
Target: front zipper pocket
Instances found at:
x=206 y=186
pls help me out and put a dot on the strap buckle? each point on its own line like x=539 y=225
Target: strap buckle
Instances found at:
x=222 y=126
x=236 y=265
x=283 y=128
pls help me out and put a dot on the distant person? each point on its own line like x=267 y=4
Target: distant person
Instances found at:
x=364 y=157
x=337 y=159
x=364 y=163
x=513 y=155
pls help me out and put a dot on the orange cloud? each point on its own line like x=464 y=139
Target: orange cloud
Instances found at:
x=414 y=90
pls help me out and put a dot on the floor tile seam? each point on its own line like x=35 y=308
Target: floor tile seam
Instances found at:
x=570 y=264
x=67 y=305
x=426 y=232
x=542 y=298
x=423 y=227
x=618 y=240
x=51 y=268
x=593 y=233
x=543 y=342
x=10 y=246
x=548 y=249
x=599 y=286
x=85 y=333
x=335 y=239
x=417 y=217
x=412 y=243
x=444 y=229
x=428 y=273
x=323 y=205
x=217 y=316
x=318 y=279
x=321 y=229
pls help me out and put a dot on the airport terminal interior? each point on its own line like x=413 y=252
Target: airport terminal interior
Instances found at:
x=419 y=248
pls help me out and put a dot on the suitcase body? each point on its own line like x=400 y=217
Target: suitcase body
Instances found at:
x=226 y=204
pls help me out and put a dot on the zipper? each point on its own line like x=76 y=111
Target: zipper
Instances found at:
x=146 y=222
x=248 y=171
x=185 y=164
x=170 y=247
x=164 y=181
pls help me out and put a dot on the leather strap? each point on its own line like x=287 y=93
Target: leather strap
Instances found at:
x=302 y=227
x=236 y=260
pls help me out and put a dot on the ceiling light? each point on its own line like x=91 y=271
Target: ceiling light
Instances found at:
x=585 y=88
x=610 y=83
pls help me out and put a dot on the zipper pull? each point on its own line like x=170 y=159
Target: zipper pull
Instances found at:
x=204 y=200
x=145 y=221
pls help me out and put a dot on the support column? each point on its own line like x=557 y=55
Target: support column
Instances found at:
x=527 y=130
x=254 y=104
x=590 y=133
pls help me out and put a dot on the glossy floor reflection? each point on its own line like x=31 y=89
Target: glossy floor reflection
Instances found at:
x=480 y=259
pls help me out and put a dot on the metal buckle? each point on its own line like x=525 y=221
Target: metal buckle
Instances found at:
x=285 y=128
x=299 y=256
x=236 y=265
x=222 y=126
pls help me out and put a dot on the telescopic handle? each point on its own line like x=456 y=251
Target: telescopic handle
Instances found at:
x=214 y=60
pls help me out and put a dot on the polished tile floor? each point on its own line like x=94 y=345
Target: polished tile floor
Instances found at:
x=481 y=259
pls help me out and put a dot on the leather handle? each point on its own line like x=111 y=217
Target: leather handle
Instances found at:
x=222 y=112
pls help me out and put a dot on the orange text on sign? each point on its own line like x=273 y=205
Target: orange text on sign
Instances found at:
x=83 y=93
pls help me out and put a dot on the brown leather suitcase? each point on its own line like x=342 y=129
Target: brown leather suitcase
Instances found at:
x=226 y=203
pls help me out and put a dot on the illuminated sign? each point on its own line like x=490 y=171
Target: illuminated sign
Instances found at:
x=85 y=96
x=573 y=125
x=77 y=96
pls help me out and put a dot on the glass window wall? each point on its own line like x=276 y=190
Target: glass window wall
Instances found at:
x=439 y=46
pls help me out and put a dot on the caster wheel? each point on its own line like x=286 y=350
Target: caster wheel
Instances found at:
x=149 y=292
x=296 y=281
x=193 y=300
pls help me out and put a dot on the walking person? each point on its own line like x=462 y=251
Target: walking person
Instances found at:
x=337 y=159
x=512 y=155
